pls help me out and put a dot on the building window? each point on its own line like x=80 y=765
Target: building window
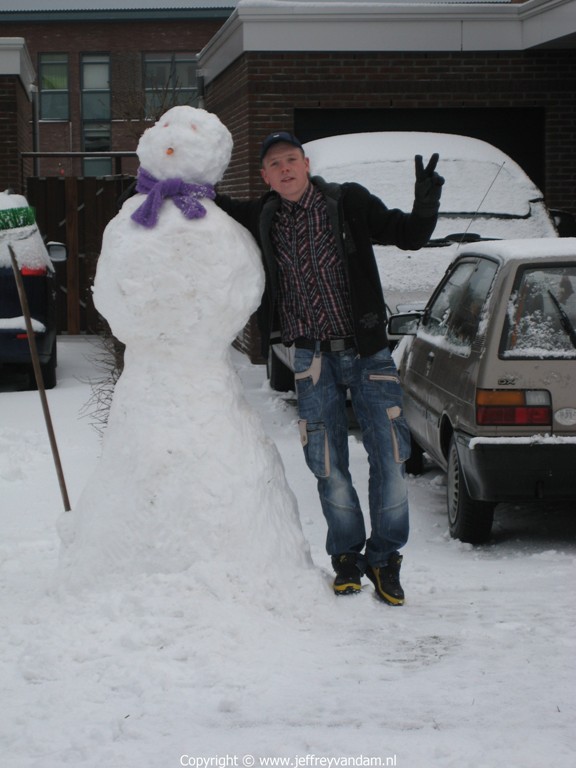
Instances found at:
x=169 y=79
x=97 y=138
x=53 y=79
x=97 y=166
x=96 y=113
x=96 y=87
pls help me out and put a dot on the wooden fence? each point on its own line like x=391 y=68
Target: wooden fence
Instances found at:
x=75 y=211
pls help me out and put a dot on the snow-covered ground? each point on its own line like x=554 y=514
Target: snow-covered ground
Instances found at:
x=478 y=669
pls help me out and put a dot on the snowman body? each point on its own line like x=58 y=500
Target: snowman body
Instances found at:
x=183 y=282
x=190 y=480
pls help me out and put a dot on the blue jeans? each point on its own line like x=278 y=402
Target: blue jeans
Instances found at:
x=322 y=382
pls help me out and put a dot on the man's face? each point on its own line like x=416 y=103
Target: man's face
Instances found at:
x=285 y=170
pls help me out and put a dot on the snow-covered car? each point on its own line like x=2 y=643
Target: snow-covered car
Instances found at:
x=487 y=195
x=18 y=229
x=489 y=377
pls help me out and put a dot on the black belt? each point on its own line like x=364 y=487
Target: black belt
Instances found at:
x=329 y=345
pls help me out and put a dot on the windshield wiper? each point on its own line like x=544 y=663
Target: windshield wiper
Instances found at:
x=565 y=321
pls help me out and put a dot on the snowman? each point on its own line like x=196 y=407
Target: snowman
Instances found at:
x=187 y=481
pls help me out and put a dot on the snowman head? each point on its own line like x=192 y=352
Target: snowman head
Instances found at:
x=186 y=143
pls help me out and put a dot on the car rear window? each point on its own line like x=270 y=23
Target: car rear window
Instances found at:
x=541 y=317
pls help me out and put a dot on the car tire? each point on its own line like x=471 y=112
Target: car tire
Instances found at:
x=469 y=520
x=281 y=377
x=415 y=463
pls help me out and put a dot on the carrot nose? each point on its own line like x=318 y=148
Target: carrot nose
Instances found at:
x=169 y=151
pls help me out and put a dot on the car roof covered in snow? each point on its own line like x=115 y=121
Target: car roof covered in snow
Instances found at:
x=479 y=177
x=524 y=249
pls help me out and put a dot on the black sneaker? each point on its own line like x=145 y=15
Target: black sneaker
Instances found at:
x=386 y=580
x=347 y=581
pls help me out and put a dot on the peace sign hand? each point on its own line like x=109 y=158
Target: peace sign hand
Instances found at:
x=428 y=188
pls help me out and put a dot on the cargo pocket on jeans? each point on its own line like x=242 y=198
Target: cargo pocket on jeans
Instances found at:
x=306 y=380
x=400 y=434
x=314 y=439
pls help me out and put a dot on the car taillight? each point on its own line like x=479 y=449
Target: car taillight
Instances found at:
x=33 y=271
x=516 y=407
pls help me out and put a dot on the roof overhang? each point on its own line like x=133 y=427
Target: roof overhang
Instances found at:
x=54 y=11
x=324 y=25
x=15 y=60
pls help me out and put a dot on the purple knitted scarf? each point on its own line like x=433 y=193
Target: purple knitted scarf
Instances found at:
x=185 y=196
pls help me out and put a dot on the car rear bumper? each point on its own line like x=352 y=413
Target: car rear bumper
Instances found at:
x=14 y=346
x=511 y=469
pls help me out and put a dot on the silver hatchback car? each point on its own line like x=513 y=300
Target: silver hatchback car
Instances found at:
x=489 y=375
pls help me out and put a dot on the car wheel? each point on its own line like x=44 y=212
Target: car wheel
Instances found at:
x=415 y=464
x=469 y=520
x=281 y=377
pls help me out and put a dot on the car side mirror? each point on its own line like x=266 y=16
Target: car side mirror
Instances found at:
x=405 y=324
x=57 y=252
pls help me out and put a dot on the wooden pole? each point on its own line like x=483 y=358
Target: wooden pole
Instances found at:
x=39 y=378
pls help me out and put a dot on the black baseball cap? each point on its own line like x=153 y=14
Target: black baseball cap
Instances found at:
x=276 y=138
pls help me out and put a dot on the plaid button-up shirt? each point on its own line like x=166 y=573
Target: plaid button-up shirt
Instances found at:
x=313 y=297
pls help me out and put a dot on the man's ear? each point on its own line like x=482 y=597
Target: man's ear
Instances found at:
x=264 y=176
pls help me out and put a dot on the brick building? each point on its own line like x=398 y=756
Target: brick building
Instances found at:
x=102 y=70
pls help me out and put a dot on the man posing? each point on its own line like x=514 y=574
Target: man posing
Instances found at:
x=323 y=296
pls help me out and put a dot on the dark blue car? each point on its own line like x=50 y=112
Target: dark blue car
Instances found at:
x=18 y=229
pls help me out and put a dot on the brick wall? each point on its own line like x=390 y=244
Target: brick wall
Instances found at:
x=15 y=131
x=24 y=133
x=277 y=84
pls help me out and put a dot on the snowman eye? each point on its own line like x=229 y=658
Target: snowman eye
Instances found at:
x=165 y=125
x=194 y=127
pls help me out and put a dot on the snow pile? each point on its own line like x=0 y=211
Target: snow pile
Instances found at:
x=188 y=481
x=15 y=323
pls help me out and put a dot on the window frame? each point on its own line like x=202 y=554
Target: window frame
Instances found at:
x=92 y=122
x=106 y=116
x=44 y=60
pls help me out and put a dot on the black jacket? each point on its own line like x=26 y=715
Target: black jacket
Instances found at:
x=358 y=219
